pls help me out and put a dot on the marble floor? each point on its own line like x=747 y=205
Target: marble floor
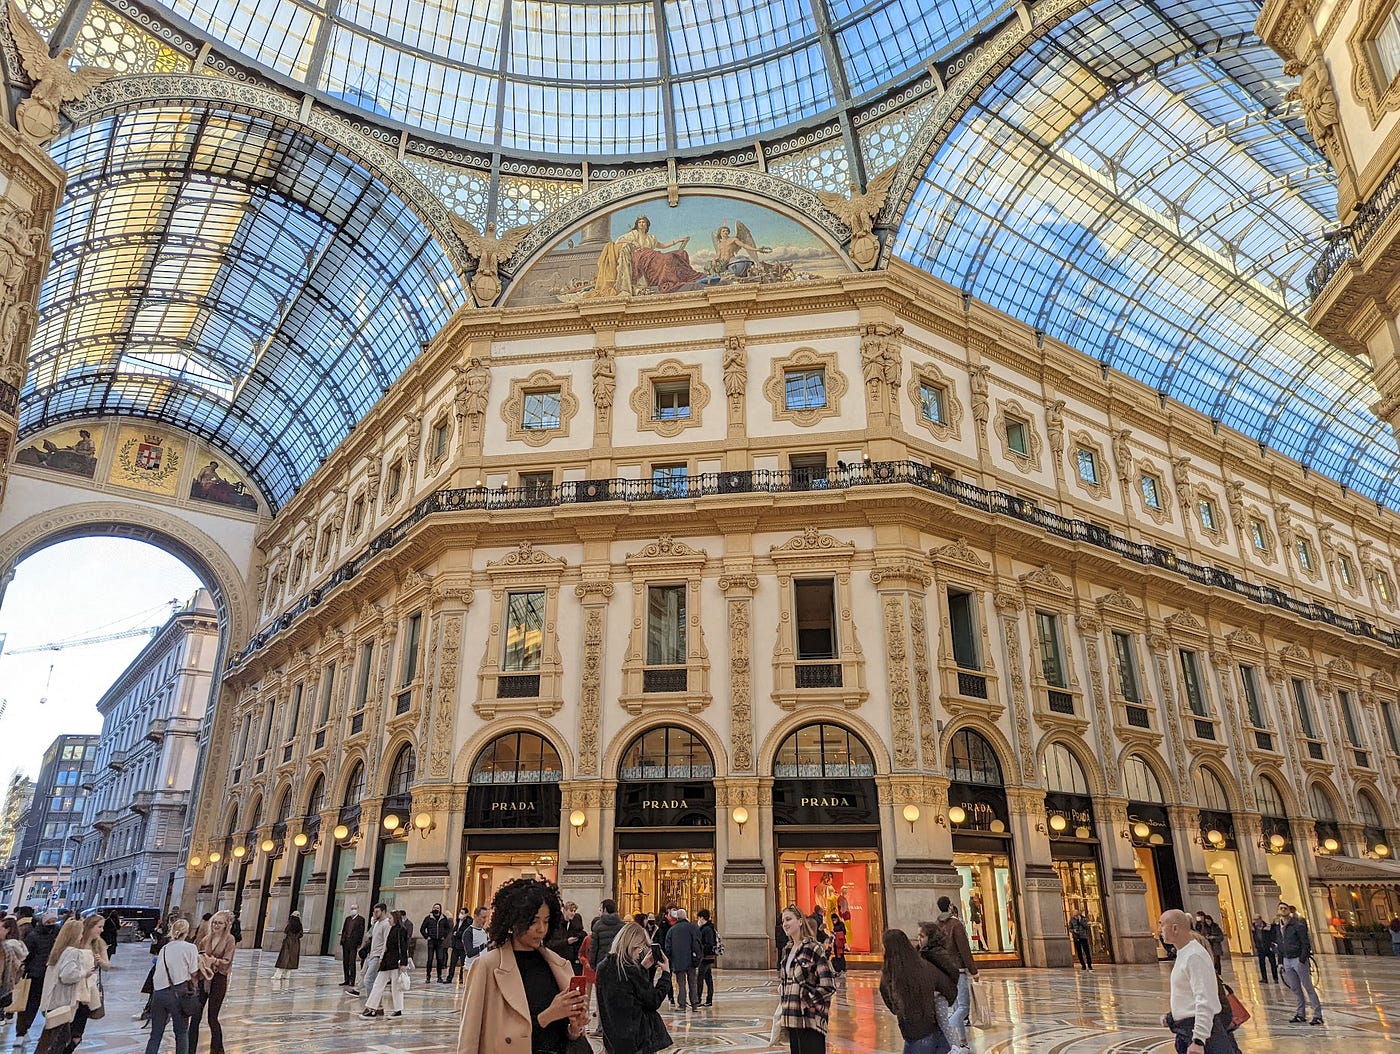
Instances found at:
x=1113 y=1009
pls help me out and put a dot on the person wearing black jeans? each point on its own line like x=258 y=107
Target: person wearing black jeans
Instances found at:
x=1265 y=936
x=709 y=953
x=1080 y=933
x=436 y=929
x=352 y=935
x=461 y=935
x=39 y=940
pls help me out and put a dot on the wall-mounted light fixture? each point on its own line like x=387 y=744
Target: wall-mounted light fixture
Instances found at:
x=391 y=822
x=1328 y=847
x=239 y=852
x=911 y=816
x=195 y=863
x=957 y=815
x=1058 y=823
x=740 y=816
x=424 y=824
x=578 y=820
x=215 y=857
x=268 y=845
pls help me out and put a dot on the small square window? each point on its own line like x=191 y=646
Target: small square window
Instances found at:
x=1017 y=437
x=670 y=481
x=1305 y=556
x=1345 y=570
x=1256 y=532
x=1151 y=492
x=1383 y=586
x=804 y=389
x=357 y=514
x=1206 y=508
x=1088 y=466
x=671 y=400
x=540 y=410
x=933 y=402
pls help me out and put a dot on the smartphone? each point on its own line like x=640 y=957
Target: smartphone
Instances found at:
x=579 y=983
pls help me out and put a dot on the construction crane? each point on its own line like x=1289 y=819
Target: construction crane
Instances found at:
x=82 y=642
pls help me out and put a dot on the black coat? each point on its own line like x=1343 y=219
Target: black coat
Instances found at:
x=459 y=935
x=352 y=932
x=605 y=928
x=566 y=941
x=436 y=929
x=39 y=940
x=627 y=1005
x=682 y=944
x=395 y=950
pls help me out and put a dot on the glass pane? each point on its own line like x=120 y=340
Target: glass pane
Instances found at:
x=541 y=410
x=524 y=641
x=805 y=389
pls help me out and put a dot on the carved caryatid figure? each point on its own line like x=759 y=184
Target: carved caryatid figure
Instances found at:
x=858 y=212
x=604 y=379
x=55 y=83
x=489 y=250
x=1319 y=101
x=473 y=388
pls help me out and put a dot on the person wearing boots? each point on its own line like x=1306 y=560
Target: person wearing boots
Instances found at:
x=436 y=929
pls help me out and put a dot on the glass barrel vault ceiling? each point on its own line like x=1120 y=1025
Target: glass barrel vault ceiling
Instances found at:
x=1137 y=186
x=237 y=278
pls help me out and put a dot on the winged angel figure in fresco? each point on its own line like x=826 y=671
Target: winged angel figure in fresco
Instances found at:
x=858 y=212
x=489 y=250
x=55 y=82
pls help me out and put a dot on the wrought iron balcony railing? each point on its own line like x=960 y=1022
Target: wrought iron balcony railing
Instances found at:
x=1349 y=243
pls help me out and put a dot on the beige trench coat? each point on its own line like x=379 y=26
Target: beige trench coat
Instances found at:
x=496 y=1018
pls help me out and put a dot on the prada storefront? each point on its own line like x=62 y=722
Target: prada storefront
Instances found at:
x=983 y=848
x=665 y=824
x=1074 y=844
x=826 y=826
x=512 y=819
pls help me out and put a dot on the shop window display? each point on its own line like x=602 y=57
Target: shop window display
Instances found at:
x=988 y=903
x=654 y=881
x=845 y=884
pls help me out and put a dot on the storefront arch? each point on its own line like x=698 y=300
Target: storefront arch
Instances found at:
x=995 y=742
x=1064 y=769
x=399 y=781
x=1143 y=776
x=866 y=733
x=395 y=821
x=316 y=794
x=824 y=750
x=347 y=847
x=1215 y=797
x=476 y=744
x=1274 y=794
x=634 y=730
x=352 y=787
x=1150 y=829
x=1213 y=792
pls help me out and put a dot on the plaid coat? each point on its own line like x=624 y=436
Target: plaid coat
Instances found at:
x=806 y=985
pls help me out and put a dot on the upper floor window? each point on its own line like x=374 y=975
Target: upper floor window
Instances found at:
x=437 y=441
x=357 y=513
x=804 y=389
x=323 y=713
x=540 y=409
x=1257 y=535
x=537 y=485
x=671 y=400
x=1127 y=666
x=1386 y=45
x=666 y=625
x=815 y=611
x=1205 y=508
x=1088 y=466
x=1151 y=491
x=1304 y=707
x=1392 y=727
x=1249 y=683
x=962 y=619
x=327 y=540
x=1191 y=678
x=933 y=402
x=1052 y=656
x=1349 y=718
x=365 y=674
x=394 y=484
x=1305 y=555
x=1383 y=586
x=413 y=632
x=1018 y=436
x=1345 y=571
x=524 y=636
x=294 y=718
x=670 y=481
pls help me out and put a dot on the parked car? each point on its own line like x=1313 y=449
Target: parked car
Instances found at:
x=137 y=920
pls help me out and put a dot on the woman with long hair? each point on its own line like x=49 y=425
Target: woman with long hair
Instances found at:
x=391 y=967
x=806 y=984
x=69 y=982
x=95 y=939
x=909 y=986
x=289 y=955
x=12 y=955
x=628 y=996
x=519 y=974
x=216 y=949
x=177 y=962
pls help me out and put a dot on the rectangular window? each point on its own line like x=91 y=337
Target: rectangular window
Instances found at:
x=1191 y=677
x=666 y=625
x=294 y=718
x=1206 y=508
x=1392 y=727
x=524 y=640
x=413 y=631
x=1127 y=666
x=670 y=481
x=365 y=673
x=243 y=738
x=1256 y=532
x=804 y=389
x=1387 y=47
x=357 y=514
x=1349 y=718
x=809 y=471
x=394 y=483
x=540 y=410
x=963 y=621
x=1018 y=437
x=1151 y=492
x=266 y=739
x=1088 y=466
x=815 y=602
x=327 y=540
x=1304 y=706
x=1383 y=586
x=1249 y=683
x=1345 y=571
x=671 y=400
x=323 y=714
x=1052 y=656
x=538 y=486
x=1305 y=557
x=933 y=402
x=437 y=441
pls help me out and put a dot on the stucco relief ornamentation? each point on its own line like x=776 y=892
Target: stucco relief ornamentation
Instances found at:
x=472 y=390
x=440 y=757
x=775 y=387
x=959 y=552
x=900 y=702
x=1010 y=413
x=897 y=573
x=1010 y=608
x=644 y=398
x=740 y=684
x=1123 y=460
x=1055 y=429
x=1179 y=759
x=21 y=245
x=923 y=696
x=736 y=376
x=1319 y=101
x=881 y=363
x=604 y=381
x=1090 y=629
x=489 y=249
x=928 y=375
x=810 y=539
x=590 y=687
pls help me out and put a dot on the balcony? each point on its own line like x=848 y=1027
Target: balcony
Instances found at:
x=665 y=679
x=106 y=819
x=518 y=686
x=817 y=674
x=117 y=761
x=141 y=802
x=1059 y=702
x=155 y=731
x=972 y=685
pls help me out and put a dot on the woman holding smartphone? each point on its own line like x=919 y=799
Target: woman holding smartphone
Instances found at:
x=628 y=996
x=518 y=972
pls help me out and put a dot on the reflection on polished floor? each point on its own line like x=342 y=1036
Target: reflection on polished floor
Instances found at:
x=1116 y=1008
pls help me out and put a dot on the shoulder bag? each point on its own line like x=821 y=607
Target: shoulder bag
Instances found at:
x=185 y=992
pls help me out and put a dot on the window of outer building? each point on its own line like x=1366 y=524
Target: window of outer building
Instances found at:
x=823 y=751
x=393 y=483
x=540 y=409
x=670 y=400
x=1392 y=727
x=412 y=638
x=1305 y=554
x=962 y=618
x=1345 y=571
x=1151 y=491
x=364 y=674
x=1205 y=508
x=1127 y=666
x=1018 y=437
x=357 y=513
x=294 y=717
x=524 y=636
x=1052 y=656
x=670 y=481
x=1257 y=535
x=1249 y=683
x=666 y=625
x=1386 y=46
x=804 y=389
x=537 y=486
x=814 y=605
x=933 y=402
x=1191 y=678
x=437 y=441
x=808 y=471
x=1088 y=465
x=1349 y=718
x=1304 y=707
x=323 y=713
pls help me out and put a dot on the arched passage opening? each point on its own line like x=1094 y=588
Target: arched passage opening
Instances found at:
x=983 y=846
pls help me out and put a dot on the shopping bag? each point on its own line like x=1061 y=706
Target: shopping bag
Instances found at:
x=778 y=1035
x=405 y=981
x=1239 y=1013
x=979 y=1006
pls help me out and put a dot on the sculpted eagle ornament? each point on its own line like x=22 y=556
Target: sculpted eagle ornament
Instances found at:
x=489 y=250
x=858 y=212
x=55 y=83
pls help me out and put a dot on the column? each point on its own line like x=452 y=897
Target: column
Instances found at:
x=744 y=903
x=1044 y=940
x=585 y=840
x=1199 y=891
x=429 y=875
x=918 y=848
x=1125 y=892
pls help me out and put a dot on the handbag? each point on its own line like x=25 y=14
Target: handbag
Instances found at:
x=405 y=980
x=979 y=1007
x=21 y=992
x=1239 y=1013
x=777 y=1036
x=98 y=1012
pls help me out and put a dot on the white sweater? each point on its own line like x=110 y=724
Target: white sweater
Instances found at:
x=1194 y=989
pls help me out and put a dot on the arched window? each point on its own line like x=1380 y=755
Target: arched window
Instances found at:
x=1321 y=802
x=284 y=807
x=823 y=750
x=1209 y=791
x=316 y=800
x=1062 y=771
x=255 y=817
x=1140 y=782
x=401 y=773
x=1270 y=798
x=1369 y=815
x=971 y=759
x=667 y=753
x=355 y=785
x=518 y=757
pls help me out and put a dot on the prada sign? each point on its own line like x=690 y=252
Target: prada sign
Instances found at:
x=498 y=806
x=824 y=802
x=663 y=803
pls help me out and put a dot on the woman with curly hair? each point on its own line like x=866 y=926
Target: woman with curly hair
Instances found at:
x=518 y=973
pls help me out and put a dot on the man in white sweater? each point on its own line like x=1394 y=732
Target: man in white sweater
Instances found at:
x=375 y=938
x=1195 y=991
